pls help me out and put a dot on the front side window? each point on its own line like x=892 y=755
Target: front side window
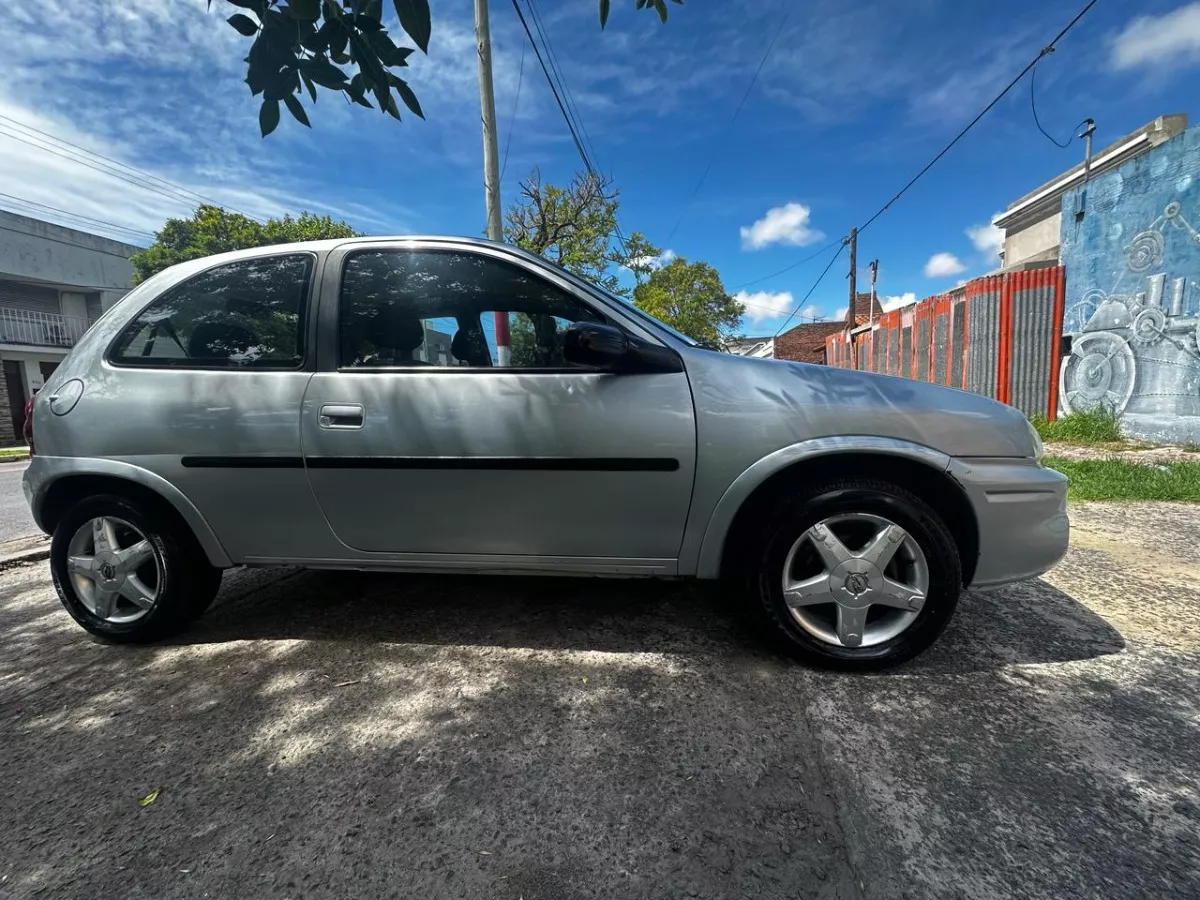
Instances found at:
x=246 y=314
x=410 y=308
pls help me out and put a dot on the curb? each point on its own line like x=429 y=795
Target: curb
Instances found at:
x=33 y=554
x=14 y=457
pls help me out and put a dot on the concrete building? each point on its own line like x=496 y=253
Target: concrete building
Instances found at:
x=1032 y=225
x=54 y=283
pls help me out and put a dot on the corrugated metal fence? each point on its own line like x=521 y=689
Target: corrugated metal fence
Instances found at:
x=998 y=335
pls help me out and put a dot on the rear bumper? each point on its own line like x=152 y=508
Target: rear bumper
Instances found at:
x=1021 y=510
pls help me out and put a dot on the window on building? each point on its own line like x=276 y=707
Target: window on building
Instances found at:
x=246 y=314
x=406 y=308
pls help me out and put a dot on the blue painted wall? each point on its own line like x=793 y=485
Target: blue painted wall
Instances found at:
x=1133 y=292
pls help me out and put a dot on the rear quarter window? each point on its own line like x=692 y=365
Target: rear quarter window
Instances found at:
x=245 y=314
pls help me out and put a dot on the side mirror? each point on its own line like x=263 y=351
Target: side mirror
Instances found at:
x=599 y=346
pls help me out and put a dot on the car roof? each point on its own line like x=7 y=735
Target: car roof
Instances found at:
x=328 y=244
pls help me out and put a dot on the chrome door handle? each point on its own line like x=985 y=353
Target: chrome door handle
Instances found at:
x=341 y=415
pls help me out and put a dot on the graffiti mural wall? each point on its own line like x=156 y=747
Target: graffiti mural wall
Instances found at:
x=1133 y=293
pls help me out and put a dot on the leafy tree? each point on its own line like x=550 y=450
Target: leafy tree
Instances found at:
x=575 y=227
x=301 y=45
x=690 y=297
x=214 y=230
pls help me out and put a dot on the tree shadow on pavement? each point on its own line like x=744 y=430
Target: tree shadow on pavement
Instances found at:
x=1030 y=622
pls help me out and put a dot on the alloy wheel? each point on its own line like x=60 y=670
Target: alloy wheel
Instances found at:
x=115 y=570
x=855 y=580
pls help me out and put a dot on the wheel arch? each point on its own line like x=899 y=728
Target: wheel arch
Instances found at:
x=58 y=494
x=917 y=468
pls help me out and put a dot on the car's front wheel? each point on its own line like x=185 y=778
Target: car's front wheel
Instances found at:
x=127 y=573
x=855 y=573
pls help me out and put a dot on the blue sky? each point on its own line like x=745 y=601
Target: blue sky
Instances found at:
x=856 y=96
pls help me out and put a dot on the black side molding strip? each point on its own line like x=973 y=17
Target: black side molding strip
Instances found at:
x=454 y=463
x=242 y=462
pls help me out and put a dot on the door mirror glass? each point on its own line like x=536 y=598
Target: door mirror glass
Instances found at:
x=596 y=345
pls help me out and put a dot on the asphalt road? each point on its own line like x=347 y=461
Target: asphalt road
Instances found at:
x=15 y=520
x=332 y=735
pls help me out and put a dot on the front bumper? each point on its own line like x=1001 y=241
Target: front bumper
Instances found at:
x=1021 y=510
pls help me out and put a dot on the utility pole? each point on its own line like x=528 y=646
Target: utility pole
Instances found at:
x=491 y=159
x=874 y=264
x=853 y=275
x=851 y=320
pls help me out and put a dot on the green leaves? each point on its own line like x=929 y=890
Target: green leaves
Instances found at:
x=302 y=45
x=406 y=94
x=414 y=19
x=243 y=24
x=295 y=108
x=304 y=10
x=268 y=116
x=325 y=74
x=690 y=297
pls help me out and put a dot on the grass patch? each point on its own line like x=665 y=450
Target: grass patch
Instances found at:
x=1096 y=426
x=1116 y=479
x=14 y=451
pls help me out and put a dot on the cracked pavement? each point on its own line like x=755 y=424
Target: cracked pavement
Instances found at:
x=347 y=735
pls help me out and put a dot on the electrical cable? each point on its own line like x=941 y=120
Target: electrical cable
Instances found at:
x=816 y=283
x=801 y=262
x=512 y=122
x=77 y=216
x=583 y=155
x=720 y=142
x=36 y=137
x=1033 y=108
x=1045 y=51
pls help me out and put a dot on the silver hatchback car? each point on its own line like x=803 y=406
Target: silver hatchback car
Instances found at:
x=344 y=405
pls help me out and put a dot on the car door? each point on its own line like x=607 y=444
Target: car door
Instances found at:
x=417 y=440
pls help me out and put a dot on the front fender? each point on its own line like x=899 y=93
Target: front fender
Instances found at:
x=45 y=471
x=712 y=546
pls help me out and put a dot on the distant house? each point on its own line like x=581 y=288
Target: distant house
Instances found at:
x=863 y=303
x=54 y=283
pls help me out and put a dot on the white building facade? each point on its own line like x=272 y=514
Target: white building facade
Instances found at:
x=54 y=283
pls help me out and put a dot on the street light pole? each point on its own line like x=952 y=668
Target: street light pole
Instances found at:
x=491 y=159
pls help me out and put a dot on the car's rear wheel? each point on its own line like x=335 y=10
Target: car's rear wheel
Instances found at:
x=854 y=574
x=127 y=573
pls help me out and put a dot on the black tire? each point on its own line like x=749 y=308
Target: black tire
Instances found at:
x=763 y=564
x=189 y=583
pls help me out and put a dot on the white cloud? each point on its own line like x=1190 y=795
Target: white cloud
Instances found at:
x=810 y=312
x=1162 y=40
x=941 y=265
x=897 y=301
x=763 y=305
x=988 y=239
x=787 y=224
x=653 y=263
x=839 y=314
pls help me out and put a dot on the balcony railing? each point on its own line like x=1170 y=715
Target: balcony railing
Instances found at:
x=20 y=326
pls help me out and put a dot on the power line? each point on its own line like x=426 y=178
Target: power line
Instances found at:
x=583 y=155
x=553 y=89
x=794 y=265
x=820 y=278
x=43 y=140
x=1033 y=108
x=1045 y=51
x=754 y=80
x=540 y=27
x=77 y=216
x=512 y=122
